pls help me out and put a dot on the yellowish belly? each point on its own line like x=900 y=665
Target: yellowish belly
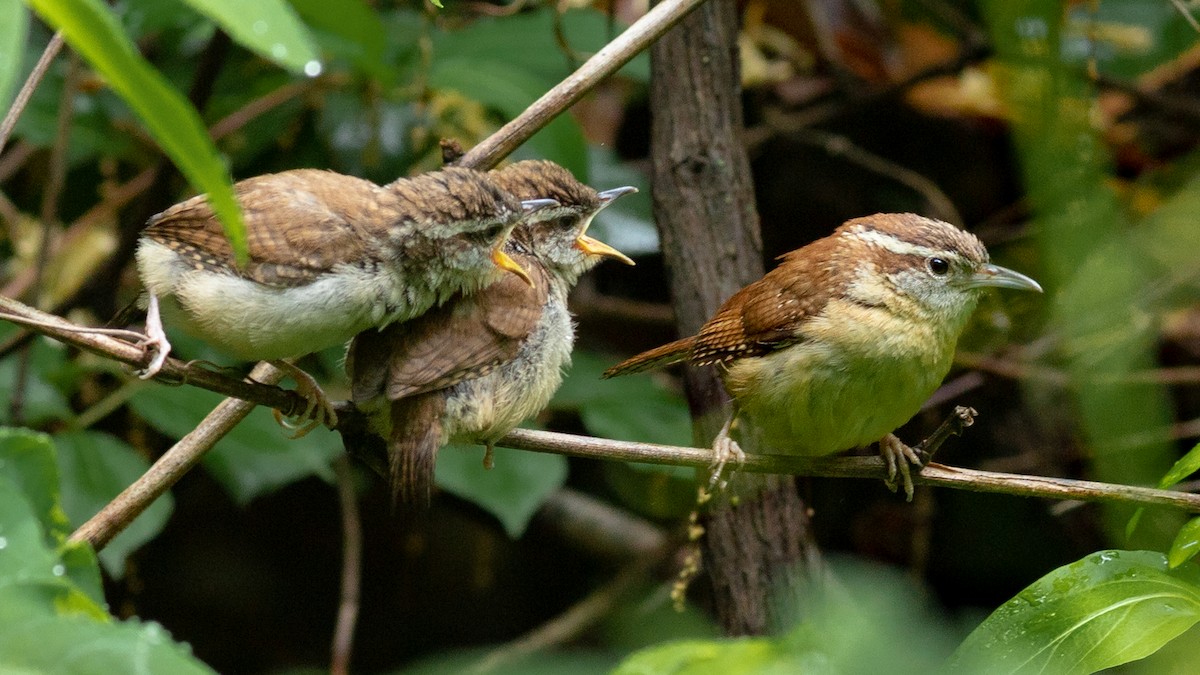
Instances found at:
x=812 y=400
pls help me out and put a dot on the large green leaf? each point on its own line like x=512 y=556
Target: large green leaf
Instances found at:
x=94 y=468
x=269 y=27
x=48 y=624
x=92 y=30
x=27 y=459
x=33 y=579
x=14 y=24
x=1109 y=608
x=512 y=490
x=255 y=457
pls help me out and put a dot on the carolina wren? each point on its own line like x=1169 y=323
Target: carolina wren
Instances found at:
x=842 y=342
x=473 y=369
x=330 y=256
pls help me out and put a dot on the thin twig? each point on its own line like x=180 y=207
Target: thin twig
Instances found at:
x=582 y=446
x=174 y=370
x=605 y=62
x=851 y=467
x=31 y=83
x=1187 y=14
x=174 y=463
x=347 y=616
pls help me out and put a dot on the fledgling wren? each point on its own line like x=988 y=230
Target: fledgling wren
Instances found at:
x=473 y=369
x=330 y=256
x=842 y=342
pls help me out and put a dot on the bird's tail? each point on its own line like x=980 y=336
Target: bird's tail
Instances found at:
x=659 y=357
x=412 y=449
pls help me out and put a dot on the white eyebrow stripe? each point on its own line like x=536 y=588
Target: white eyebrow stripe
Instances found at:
x=891 y=243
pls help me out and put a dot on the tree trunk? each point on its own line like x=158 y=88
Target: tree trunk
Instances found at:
x=704 y=206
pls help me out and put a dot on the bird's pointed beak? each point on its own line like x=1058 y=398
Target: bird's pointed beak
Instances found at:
x=535 y=205
x=995 y=276
x=609 y=196
x=592 y=246
x=504 y=262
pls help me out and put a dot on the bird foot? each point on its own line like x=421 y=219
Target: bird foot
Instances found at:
x=318 y=409
x=155 y=341
x=725 y=449
x=897 y=456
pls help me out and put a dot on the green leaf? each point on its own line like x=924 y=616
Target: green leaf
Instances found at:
x=95 y=468
x=27 y=459
x=82 y=646
x=512 y=491
x=1186 y=466
x=33 y=580
x=268 y=27
x=48 y=623
x=1109 y=608
x=1186 y=544
x=14 y=26
x=92 y=30
x=255 y=457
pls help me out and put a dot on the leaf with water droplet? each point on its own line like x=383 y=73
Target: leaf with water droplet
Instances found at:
x=1130 y=598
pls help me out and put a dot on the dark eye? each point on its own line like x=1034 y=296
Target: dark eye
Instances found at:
x=489 y=234
x=565 y=222
x=939 y=266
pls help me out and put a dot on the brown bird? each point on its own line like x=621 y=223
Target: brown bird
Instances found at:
x=330 y=256
x=473 y=369
x=842 y=342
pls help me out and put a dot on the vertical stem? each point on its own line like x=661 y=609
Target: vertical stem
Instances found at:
x=347 y=616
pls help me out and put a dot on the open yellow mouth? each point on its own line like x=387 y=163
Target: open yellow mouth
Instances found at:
x=504 y=262
x=596 y=247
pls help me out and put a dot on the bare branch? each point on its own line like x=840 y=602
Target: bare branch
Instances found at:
x=605 y=62
x=852 y=467
x=133 y=500
x=31 y=83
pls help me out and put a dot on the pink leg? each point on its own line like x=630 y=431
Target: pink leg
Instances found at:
x=156 y=340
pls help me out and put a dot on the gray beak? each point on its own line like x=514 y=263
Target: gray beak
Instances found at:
x=996 y=276
x=535 y=205
x=609 y=196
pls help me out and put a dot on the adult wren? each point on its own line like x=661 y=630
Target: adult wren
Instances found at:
x=473 y=369
x=329 y=256
x=842 y=342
